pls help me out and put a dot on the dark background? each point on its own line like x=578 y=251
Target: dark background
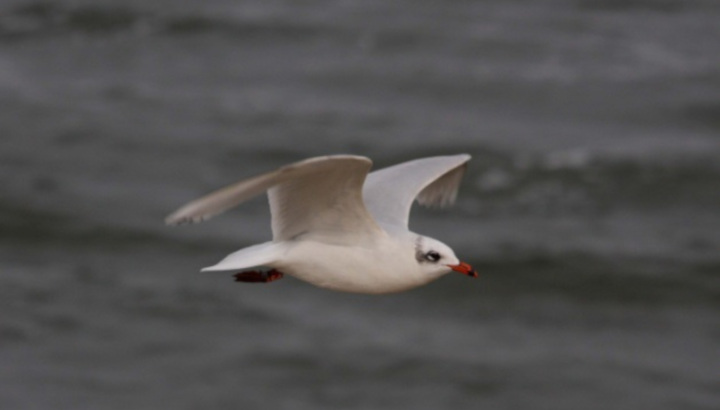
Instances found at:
x=590 y=207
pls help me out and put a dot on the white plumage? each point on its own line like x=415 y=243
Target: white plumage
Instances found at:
x=336 y=226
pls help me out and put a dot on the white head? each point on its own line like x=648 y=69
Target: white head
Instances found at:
x=436 y=259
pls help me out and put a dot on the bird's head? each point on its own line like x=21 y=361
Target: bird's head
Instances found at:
x=436 y=258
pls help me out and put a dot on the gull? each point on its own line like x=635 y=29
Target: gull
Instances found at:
x=339 y=227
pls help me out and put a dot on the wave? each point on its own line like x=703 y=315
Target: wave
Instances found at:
x=664 y=6
x=43 y=19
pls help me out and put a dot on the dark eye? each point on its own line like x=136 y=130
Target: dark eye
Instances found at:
x=432 y=256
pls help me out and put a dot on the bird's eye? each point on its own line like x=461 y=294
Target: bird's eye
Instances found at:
x=432 y=256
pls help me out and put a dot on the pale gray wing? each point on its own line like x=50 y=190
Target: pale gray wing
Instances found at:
x=390 y=192
x=320 y=195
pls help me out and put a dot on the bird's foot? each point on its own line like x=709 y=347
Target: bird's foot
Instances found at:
x=254 y=276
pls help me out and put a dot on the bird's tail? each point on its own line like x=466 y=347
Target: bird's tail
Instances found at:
x=264 y=254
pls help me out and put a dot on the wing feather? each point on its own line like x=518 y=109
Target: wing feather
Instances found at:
x=443 y=191
x=390 y=192
x=315 y=196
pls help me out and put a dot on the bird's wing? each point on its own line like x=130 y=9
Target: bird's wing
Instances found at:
x=320 y=196
x=390 y=192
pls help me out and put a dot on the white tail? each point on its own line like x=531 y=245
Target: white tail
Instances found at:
x=264 y=254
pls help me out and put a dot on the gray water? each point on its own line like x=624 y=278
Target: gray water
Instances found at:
x=590 y=207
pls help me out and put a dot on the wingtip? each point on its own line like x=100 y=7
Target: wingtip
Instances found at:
x=462 y=157
x=176 y=220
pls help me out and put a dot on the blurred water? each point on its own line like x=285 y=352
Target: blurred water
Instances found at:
x=590 y=207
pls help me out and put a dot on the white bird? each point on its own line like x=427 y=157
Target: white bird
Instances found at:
x=338 y=227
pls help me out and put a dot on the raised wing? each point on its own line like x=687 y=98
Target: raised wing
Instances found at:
x=390 y=192
x=320 y=196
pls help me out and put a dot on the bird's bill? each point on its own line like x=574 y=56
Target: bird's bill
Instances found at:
x=464 y=268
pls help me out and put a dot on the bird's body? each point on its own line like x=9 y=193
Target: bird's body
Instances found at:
x=381 y=266
x=336 y=229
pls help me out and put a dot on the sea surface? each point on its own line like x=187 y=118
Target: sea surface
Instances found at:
x=591 y=207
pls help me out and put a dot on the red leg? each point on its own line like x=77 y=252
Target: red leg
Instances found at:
x=254 y=276
x=274 y=275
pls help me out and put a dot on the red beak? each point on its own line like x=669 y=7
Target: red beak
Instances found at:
x=464 y=268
